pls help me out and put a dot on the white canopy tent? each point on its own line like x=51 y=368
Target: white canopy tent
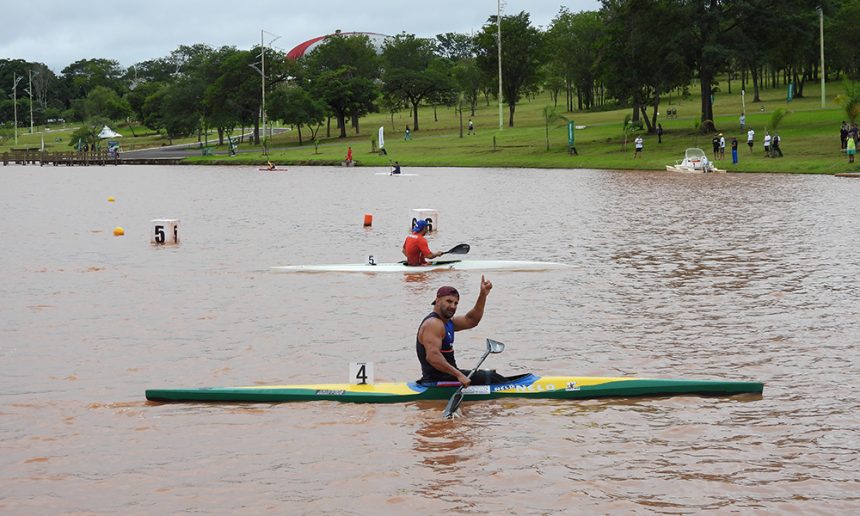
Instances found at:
x=107 y=132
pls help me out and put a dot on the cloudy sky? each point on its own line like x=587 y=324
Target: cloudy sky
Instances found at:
x=60 y=32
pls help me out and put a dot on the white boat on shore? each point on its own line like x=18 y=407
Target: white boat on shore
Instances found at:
x=696 y=162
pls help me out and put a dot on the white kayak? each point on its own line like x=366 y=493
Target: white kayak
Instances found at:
x=441 y=265
x=390 y=174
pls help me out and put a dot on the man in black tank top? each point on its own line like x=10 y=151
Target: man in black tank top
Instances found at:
x=434 y=342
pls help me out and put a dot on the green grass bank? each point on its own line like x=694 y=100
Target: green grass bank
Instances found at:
x=809 y=133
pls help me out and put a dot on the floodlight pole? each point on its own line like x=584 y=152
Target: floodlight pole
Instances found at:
x=263 y=82
x=821 y=46
x=499 y=25
x=262 y=71
x=30 y=91
x=15 y=81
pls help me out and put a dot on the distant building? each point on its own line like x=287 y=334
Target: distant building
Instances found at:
x=302 y=49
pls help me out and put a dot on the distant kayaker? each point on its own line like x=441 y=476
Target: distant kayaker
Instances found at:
x=395 y=168
x=415 y=247
x=435 y=339
x=271 y=166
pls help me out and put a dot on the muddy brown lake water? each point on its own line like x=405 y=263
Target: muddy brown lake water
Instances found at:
x=738 y=276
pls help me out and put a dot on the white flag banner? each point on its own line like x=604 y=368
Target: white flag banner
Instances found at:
x=381 y=137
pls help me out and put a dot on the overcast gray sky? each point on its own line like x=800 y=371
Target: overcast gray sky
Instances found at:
x=60 y=32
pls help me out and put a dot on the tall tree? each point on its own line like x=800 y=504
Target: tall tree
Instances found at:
x=455 y=46
x=840 y=32
x=342 y=72
x=104 y=102
x=521 y=56
x=413 y=72
x=234 y=96
x=638 y=66
x=82 y=76
x=574 y=44
x=468 y=80
x=294 y=105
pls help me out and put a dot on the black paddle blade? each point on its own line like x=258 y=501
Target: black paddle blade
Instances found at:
x=458 y=249
x=453 y=404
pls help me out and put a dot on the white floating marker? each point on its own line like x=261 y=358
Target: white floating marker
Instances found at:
x=164 y=231
x=361 y=373
x=428 y=214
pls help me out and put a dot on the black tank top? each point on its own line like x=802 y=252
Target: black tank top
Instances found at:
x=428 y=372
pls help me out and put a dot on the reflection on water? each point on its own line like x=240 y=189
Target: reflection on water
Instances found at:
x=738 y=277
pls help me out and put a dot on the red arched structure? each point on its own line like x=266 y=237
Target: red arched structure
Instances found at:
x=302 y=49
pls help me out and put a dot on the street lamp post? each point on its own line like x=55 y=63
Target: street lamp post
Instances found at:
x=30 y=91
x=15 y=80
x=263 y=81
x=821 y=48
x=262 y=72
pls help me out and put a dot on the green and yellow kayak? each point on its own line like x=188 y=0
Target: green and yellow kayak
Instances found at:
x=521 y=386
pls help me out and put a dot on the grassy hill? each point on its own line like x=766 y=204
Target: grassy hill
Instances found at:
x=810 y=137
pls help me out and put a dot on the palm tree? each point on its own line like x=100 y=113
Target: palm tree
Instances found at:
x=776 y=118
x=850 y=100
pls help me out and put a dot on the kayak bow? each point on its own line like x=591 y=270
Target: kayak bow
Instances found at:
x=521 y=386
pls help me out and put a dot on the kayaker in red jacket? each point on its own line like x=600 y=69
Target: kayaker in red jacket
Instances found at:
x=435 y=339
x=415 y=247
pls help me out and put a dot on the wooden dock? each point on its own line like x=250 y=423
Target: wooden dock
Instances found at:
x=99 y=158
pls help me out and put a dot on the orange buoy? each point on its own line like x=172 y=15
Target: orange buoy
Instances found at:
x=118 y=231
x=368 y=220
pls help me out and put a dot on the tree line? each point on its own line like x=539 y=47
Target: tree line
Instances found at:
x=628 y=54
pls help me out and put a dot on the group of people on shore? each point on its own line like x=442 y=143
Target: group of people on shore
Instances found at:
x=772 y=143
x=849 y=134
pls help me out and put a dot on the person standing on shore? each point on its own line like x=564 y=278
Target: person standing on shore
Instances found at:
x=734 y=150
x=639 y=144
x=851 y=149
x=775 y=149
x=750 y=139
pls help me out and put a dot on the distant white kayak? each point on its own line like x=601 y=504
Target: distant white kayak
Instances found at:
x=390 y=174
x=442 y=265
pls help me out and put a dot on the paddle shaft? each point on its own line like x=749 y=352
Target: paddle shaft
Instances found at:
x=454 y=402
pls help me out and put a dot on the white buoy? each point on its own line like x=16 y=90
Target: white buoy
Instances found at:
x=428 y=214
x=164 y=231
x=361 y=373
